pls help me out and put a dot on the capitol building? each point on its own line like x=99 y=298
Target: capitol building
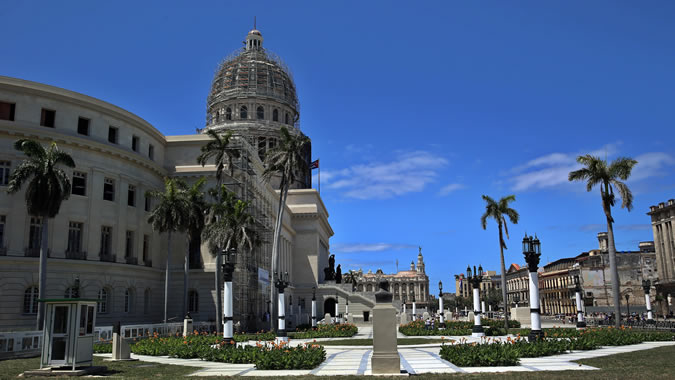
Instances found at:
x=101 y=236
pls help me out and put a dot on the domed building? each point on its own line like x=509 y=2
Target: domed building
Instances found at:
x=101 y=240
x=253 y=95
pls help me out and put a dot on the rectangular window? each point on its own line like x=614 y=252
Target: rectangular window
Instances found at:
x=129 y=250
x=75 y=237
x=151 y=152
x=112 y=134
x=83 y=126
x=79 y=183
x=131 y=196
x=109 y=189
x=134 y=143
x=47 y=118
x=106 y=241
x=7 y=111
x=146 y=248
x=3 y=220
x=35 y=233
x=148 y=202
x=4 y=172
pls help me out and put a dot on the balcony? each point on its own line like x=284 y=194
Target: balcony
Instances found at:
x=131 y=260
x=76 y=255
x=110 y=258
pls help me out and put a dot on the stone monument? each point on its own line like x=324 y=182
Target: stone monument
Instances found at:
x=385 y=359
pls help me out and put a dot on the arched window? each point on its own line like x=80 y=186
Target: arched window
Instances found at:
x=30 y=300
x=243 y=112
x=288 y=118
x=128 y=300
x=360 y=287
x=228 y=113
x=275 y=115
x=71 y=292
x=369 y=288
x=260 y=113
x=217 y=116
x=146 y=301
x=102 y=305
x=193 y=301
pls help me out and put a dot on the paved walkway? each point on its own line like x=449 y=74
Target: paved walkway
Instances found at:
x=355 y=360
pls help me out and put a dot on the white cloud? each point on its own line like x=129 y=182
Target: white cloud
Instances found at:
x=409 y=172
x=368 y=247
x=553 y=169
x=445 y=190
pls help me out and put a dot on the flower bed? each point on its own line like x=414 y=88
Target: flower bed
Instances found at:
x=490 y=352
x=326 y=331
x=265 y=355
x=418 y=328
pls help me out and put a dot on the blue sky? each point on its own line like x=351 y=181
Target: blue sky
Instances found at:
x=415 y=109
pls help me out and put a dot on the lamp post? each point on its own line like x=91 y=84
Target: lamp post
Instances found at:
x=229 y=257
x=403 y=298
x=475 y=281
x=314 y=306
x=646 y=285
x=281 y=283
x=347 y=307
x=627 y=305
x=414 y=307
x=482 y=302
x=440 y=301
x=581 y=323
x=337 y=309
x=670 y=302
x=532 y=252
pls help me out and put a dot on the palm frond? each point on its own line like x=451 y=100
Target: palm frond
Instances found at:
x=625 y=194
x=621 y=168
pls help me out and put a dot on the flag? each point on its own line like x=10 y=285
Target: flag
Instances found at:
x=315 y=165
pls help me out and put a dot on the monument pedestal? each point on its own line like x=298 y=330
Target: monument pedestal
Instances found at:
x=385 y=359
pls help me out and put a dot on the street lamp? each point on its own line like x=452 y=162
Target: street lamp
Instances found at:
x=337 y=309
x=440 y=301
x=475 y=281
x=646 y=285
x=404 y=299
x=414 y=307
x=314 y=306
x=281 y=283
x=532 y=252
x=627 y=305
x=229 y=258
x=581 y=323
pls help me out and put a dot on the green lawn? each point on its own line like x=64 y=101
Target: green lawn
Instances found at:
x=369 y=342
x=651 y=364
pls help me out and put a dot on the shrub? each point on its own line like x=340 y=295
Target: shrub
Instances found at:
x=265 y=355
x=480 y=355
x=102 y=348
x=327 y=331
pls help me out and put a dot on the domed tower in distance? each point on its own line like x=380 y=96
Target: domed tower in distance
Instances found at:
x=253 y=96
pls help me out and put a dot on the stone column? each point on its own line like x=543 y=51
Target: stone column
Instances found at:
x=385 y=359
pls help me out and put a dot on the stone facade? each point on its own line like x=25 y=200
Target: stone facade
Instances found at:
x=101 y=234
x=663 y=218
x=402 y=284
x=517 y=285
x=489 y=281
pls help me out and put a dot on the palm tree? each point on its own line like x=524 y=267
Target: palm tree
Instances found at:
x=228 y=225
x=286 y=161
x=194 y=226
x=170 y=215
x=218 y=149
x=499 y=211
x=48 y=186
x=597 y=172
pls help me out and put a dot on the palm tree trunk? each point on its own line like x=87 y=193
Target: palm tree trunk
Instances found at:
x=166 y=279
x=219 y=294
x=42 y=286
x=503 y=279
x=615 y=272
x=275 y=249
x=186 y=276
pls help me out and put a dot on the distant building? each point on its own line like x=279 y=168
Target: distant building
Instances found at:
x=517 y=285
x=403 y=284
x=489 y=281
x=663 y=216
